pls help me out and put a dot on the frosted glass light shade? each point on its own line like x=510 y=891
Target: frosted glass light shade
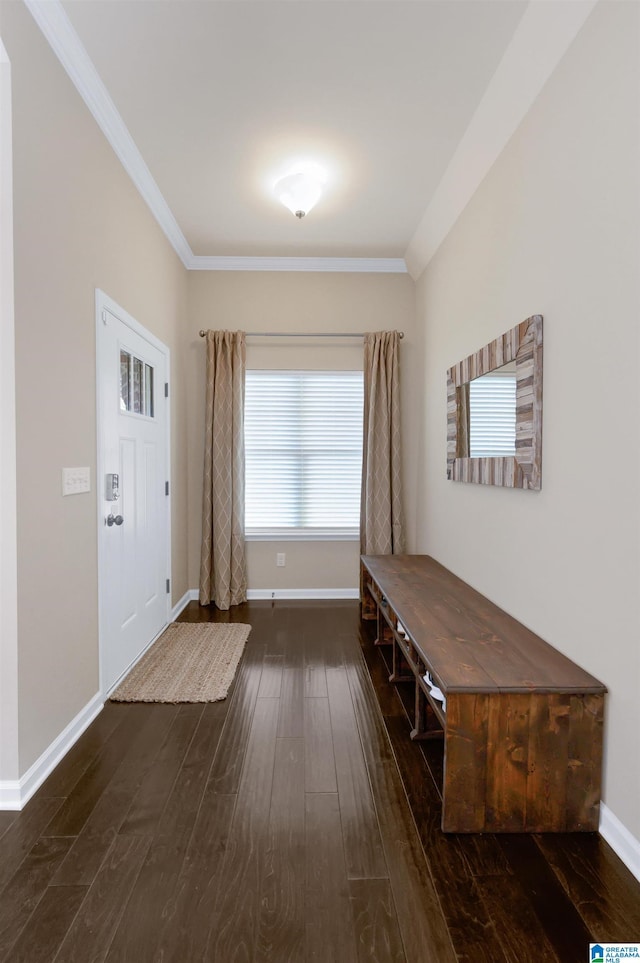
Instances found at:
x=299 y=191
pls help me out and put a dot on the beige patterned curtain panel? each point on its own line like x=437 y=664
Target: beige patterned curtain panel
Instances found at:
x=381 y=518
x=223 y=577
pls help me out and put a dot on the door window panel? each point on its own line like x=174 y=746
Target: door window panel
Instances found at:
x=136 y=385
x=125 y=364
x=148 y=390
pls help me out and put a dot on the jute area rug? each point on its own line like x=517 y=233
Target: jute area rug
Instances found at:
x=190 y=662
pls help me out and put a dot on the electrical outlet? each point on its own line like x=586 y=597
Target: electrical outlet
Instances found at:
x=280 y=559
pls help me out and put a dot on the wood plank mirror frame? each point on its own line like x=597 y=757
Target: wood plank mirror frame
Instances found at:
x=522 y=344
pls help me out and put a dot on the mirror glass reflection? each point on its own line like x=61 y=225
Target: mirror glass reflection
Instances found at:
x=487 y=415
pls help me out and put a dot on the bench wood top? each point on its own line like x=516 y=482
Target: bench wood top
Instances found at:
x=469 y=643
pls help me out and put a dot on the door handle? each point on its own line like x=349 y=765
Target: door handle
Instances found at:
x=114 y=519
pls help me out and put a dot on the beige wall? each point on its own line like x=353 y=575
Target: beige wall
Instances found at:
x=79 y=224
x=297 y=302
x=553 y=230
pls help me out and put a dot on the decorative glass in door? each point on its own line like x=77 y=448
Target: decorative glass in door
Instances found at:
x=136 y=385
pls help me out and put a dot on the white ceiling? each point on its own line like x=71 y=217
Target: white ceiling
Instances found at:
x=405 y=102
x=220 y=96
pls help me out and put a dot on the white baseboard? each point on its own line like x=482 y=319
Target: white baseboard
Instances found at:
x=622 y=842
x=310 y=594
x=14 y=794
x=270 y=595
x=191 y=595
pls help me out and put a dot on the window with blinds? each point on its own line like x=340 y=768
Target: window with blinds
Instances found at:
x=303 y=450
x=492 y=407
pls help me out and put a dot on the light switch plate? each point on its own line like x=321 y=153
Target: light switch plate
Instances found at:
x=76 y=480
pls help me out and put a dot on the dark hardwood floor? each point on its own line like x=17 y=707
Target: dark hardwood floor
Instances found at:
x=295 y=821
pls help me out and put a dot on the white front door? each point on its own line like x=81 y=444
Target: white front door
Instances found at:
x=133 y=491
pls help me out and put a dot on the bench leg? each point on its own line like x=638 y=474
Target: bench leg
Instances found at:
x=426 y=725
x=402 y=671
x=385 y=635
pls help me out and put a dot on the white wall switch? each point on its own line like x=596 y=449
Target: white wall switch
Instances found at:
x=76 y=480
x=280 y=559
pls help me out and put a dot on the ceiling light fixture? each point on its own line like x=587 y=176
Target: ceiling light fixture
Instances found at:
x=300 y=190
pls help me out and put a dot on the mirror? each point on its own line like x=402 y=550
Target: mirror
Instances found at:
x=494 y=411
x=488 y=409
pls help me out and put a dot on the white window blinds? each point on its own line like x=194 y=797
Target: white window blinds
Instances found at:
x=492 y=406
x=303 y=450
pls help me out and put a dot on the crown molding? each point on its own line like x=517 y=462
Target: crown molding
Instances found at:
x=66 y=44
x=388 y=265
x=538 y=44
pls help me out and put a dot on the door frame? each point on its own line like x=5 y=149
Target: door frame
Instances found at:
x=105 y=303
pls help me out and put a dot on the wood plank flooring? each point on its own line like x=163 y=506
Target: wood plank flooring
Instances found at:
x=294 y=822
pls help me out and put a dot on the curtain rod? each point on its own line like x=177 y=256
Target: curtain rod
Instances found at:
x=298 y=334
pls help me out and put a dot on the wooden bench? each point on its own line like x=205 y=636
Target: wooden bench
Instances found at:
x=521 y=723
